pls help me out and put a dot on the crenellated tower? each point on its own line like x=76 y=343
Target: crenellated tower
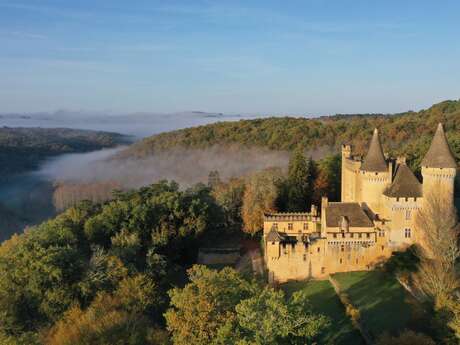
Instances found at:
x=439 y=167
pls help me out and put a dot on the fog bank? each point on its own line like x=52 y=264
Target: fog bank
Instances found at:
x=185 y=166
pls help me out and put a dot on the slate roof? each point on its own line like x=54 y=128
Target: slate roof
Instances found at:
x=439 y=154
x=273 y=235
x=352 y=210
x=375 y=160
x=405 y=184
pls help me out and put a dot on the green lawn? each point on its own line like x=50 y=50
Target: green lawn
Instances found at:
x=383 y=302
x=325 y=301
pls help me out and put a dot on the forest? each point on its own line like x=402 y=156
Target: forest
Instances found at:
x=123 y=271
x=23 y=149
x=406 y=133
x=114 y=273
x=121 y=268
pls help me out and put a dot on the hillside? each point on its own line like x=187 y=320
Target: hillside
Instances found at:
x=406 y=133
x=22 y=149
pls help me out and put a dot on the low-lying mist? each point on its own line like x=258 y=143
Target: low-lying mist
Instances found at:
x=185 y=166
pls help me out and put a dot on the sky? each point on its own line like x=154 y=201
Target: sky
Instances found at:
x=296 y=57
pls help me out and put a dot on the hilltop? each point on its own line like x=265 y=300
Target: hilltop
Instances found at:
x=22 y=149
x=406 y=133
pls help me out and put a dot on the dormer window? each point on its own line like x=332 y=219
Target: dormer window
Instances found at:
x=344 y=224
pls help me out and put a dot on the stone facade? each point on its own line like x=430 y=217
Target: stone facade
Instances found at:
x=380 y=199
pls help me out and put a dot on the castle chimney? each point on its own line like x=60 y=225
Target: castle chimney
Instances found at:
x=324 y=205
x=314 y=210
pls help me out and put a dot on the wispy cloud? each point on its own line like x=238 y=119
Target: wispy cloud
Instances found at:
x=24 y=35
x=46 y=10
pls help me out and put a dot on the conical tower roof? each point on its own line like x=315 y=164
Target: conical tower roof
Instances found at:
x=405 y=184
x=274 y=235
x=439 y=154
x=375 y=160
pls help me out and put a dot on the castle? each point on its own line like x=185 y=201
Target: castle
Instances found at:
x=376 y=216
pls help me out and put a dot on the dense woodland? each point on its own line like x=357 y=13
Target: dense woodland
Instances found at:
x=114 y=273
x=22 y=149
x=122 y=271
x=407 y=133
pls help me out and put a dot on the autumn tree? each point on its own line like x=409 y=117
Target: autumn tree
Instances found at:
x=437 y=229
x=112 y=319
x=259 y=196
x=327 y=180
x=207 y=303
x=221 y=307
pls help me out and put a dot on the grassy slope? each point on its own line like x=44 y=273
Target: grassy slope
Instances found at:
x=409 y=133
x=383 y=303
x=325 y=301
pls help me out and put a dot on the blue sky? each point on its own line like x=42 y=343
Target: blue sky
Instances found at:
x=267 y=57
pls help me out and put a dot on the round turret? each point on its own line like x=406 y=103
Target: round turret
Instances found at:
x=439 y=166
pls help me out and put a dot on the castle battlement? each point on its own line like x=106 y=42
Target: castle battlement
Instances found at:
x=376 y=216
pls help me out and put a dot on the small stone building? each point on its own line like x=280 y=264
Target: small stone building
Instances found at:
x=379 y=200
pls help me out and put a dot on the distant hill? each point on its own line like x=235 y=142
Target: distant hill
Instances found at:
x=22 y=149
x=406 y=133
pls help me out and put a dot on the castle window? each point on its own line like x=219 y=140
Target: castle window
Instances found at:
x=360 y=235
x=407 y=233
x=342 y=248
x=323 y=269
x=335 y=235
x=383 y=248
x=305 y=257
x=273 y=243
x=340 y=261
x=318 y=250
x=368 y=235
x=352 y=235
x=289 y=226
x=381 y=233
x=408 y=214
x=275 y=225
x=343 y=235
x=356 y=260
x=305 y=226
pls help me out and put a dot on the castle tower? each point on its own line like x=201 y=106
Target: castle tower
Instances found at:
x=348 y=177
x=375 y=175
x=439 y=166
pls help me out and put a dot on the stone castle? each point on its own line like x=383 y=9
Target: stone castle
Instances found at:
x=376 y=216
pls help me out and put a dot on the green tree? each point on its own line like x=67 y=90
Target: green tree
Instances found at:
x=205 y=305
x=268 y=318
x=300 y=182
x=328 y=179
x=229 y=196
